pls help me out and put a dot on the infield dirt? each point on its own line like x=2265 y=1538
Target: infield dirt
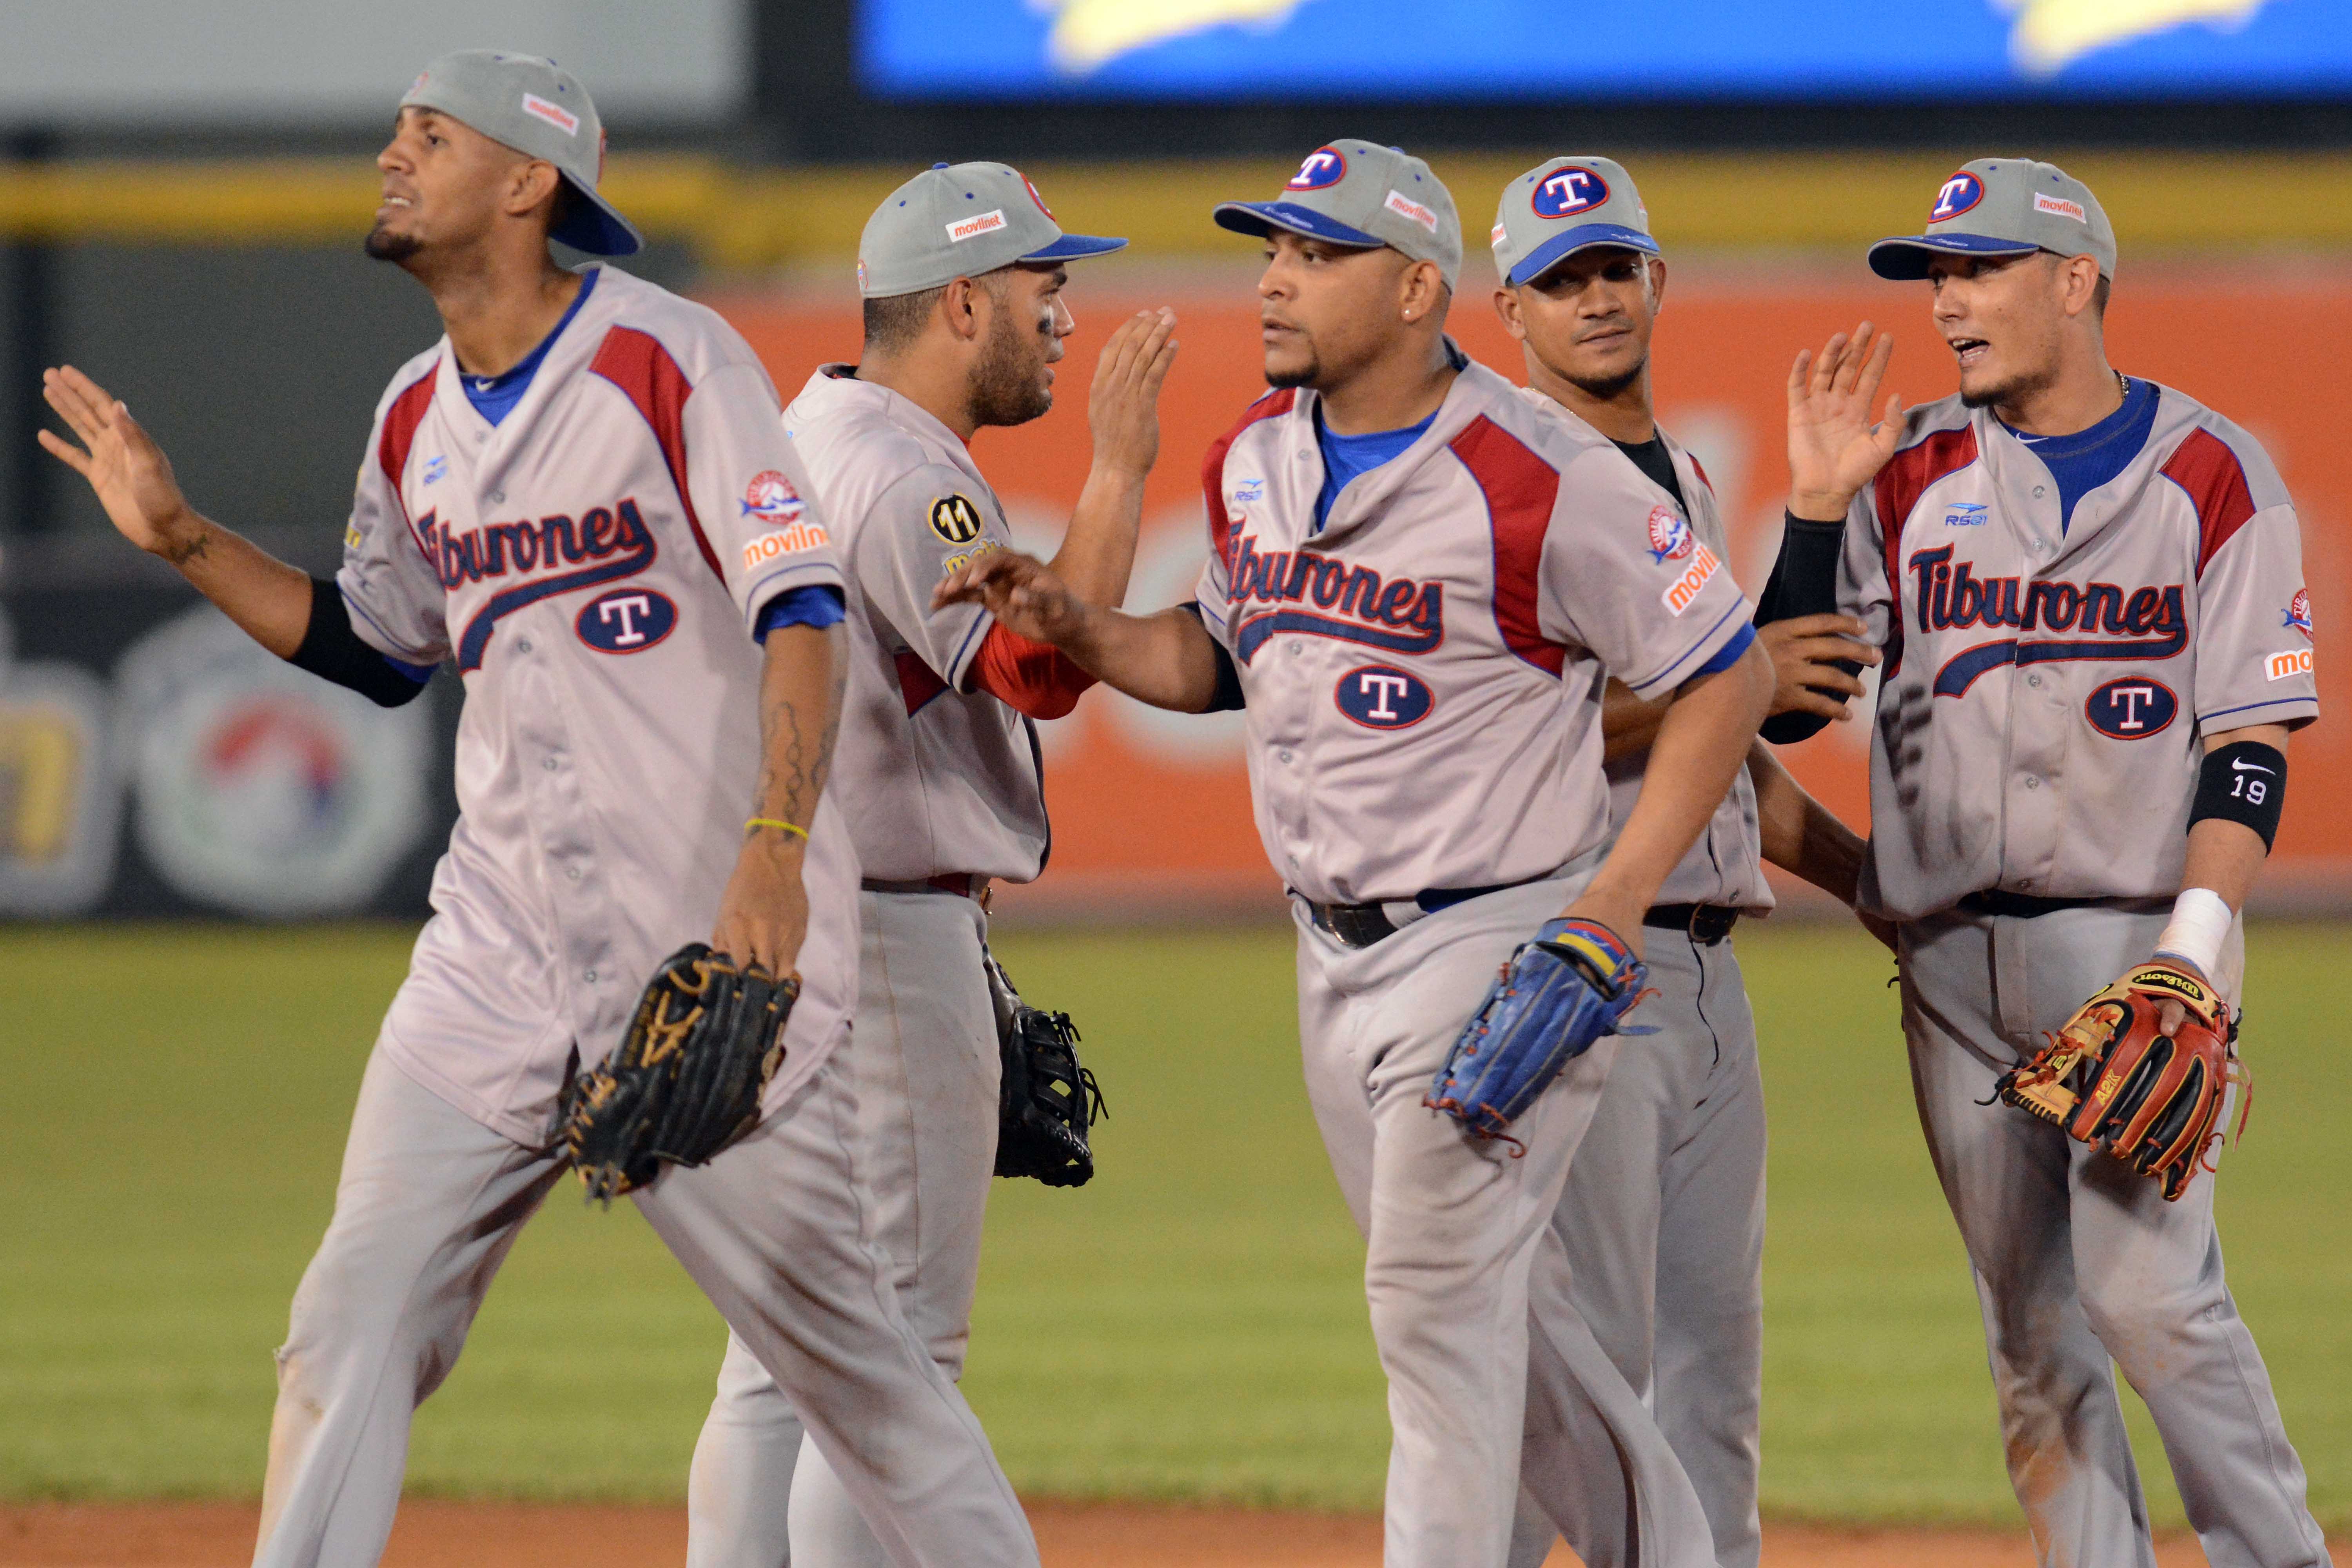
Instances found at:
x=436 y=1534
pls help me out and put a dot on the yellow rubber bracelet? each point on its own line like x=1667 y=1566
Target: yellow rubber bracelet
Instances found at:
x=794 y=827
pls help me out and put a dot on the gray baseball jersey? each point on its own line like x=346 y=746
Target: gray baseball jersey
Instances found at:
x=2045 y=690
x=1423 y=675
x=936 y=778
x=1725 y=866
x=593 y=564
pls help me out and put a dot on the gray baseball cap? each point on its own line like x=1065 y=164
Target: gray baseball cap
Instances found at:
x=2003 y=206
x=1364 y=195
x=541 y=111
x=1561 y=207
x=960 y=220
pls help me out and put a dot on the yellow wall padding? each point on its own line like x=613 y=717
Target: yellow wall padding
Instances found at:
x=760 y=217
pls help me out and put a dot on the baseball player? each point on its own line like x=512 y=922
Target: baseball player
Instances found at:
x=2089 y=591
x=962 y=270
x=1663 y=1216
x=1416 y=579
x=582 y=497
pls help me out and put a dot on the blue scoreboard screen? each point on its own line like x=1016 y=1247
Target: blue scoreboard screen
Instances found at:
x=1949 y=49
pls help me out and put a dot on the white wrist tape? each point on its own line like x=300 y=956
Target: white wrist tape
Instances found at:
x=2200 y=924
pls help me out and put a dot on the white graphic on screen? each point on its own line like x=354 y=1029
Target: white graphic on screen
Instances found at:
x=1088 y=34
x=2054 y=33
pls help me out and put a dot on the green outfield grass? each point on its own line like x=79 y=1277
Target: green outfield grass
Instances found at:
x=1190 y=1326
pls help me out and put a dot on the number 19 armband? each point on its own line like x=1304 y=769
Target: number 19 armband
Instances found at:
x=2242 y=782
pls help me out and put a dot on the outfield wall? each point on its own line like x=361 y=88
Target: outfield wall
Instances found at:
x=1144 y=800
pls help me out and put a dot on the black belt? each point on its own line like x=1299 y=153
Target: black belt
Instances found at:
x=2023 y=906
x=962 y=884
x=1361 y=925
x=1704 y=924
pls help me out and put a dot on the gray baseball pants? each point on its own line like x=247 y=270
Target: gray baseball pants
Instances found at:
x=923 y=1059
x=1493 y=1376
x=2078 y=1261
x=778 y=1231
x=1662 y=1224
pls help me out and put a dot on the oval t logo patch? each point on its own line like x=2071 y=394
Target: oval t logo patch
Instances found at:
x=1325 y=167
x=626 y=620
x=1567 y=191
x=1380 y=697
x=2132 y=708
x=1961 y=193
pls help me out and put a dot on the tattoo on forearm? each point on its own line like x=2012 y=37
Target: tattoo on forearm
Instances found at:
x=185 y=551
x=792 y=769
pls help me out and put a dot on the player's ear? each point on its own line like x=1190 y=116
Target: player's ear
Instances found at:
x=1422 y=293
x=1656 y=268
x=2079 y=285
x=1507 y=305
x=531 y=183
x=959 y=306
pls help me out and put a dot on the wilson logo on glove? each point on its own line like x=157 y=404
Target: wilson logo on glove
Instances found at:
x=1558 y=993
x=2113 y=1080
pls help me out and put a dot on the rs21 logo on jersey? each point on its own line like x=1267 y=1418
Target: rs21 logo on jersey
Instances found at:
x=628 y=620
x=1381 y=697
x=2131 y=708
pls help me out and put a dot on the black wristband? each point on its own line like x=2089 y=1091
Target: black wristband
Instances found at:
x=1803 y=583
x=1227 y=697
x=2245 y=782
x=332 y=651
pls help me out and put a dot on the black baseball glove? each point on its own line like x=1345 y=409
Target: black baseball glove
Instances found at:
x=686 y=1079
x=1046 y=1102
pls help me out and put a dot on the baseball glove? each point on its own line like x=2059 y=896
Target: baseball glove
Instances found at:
x=2111 y=1079
x=686 y=1079
x=1558 y=995
x=1046 y=1102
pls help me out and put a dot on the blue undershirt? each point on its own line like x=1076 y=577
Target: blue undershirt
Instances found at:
x=494 y=397
x=1346 y=456
x=819 y=607
x=2083 y=461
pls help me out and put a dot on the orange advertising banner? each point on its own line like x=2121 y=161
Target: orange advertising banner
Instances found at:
x=1149 y=807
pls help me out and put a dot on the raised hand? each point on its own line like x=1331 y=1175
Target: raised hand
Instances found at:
x=1123 y=407
x=1834 y=449
x=1022 y=592
x=123 y=465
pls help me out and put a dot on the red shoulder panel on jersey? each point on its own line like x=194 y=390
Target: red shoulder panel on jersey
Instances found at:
x=1895 y=492
x=637 y=363
x=1522 y=490
x=400 y=426
x=1700 y=470
x=917 y=682
x=1212 y=466
x=2204 y=467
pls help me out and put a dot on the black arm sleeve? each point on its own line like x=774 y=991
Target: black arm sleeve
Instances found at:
x=1228 y=696
x=332 y=651
x=1803 y=583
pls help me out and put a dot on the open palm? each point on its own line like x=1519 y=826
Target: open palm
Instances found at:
x=123 y=465
x=1834 y=446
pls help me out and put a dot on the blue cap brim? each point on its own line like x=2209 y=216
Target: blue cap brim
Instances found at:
x=595 y=225
x=1569 y=241
x=1261 y=218
x=1905 y=257
x=1072 y=246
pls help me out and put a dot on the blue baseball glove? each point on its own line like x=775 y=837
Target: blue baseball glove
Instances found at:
x=1557 y=996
